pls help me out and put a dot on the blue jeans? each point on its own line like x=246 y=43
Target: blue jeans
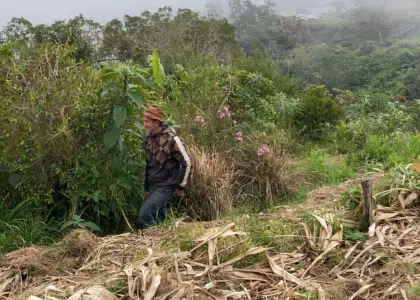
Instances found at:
x=153 y=210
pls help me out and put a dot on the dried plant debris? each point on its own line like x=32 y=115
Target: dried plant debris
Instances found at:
x=134 y=266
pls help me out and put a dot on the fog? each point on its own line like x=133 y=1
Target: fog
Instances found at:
x=47 y=11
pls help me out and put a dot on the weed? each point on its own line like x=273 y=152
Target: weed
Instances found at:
x=182 y=238
x=282 y=235
x=249 y=260
x=118 y=287
x=414 y=289
x=311 y=296
x=331 y=170
x=350 y=198
x=172 y=217
x=395 y=149
x=354 y=235
x=309 y=219
x=335 y=258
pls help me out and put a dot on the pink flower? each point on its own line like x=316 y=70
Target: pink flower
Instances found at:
x=239 y=139
x=228 y=115
x=266 y=149
x=239 y=134
x=263 y=151
x=221 y=115
x=226 y=110
x=200 y=119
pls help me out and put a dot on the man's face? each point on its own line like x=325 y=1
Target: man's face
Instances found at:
x=150 y=125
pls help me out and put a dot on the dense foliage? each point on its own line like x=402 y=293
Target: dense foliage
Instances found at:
x=265 y=102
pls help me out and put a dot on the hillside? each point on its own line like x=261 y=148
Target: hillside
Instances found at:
x=319 y=259
x=283 y=118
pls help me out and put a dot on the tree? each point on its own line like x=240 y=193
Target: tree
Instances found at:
x=116 y=43
x=18 y=29
x=83 y=34
x=177 y=38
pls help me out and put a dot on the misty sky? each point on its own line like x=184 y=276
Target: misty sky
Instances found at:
x=47 y=11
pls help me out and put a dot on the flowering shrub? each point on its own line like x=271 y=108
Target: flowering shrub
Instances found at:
x=265 y=170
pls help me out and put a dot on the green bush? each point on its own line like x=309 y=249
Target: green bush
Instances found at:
x=317 y=112
x=262 y=63
x=363 y=122
x=248 y=95
x=54 y=152
x=43 y=128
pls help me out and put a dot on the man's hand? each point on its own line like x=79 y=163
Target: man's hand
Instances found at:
x=146 y=195
x=179 y=193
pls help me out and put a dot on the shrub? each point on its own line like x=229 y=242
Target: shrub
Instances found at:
x=317 y=112
x=285 y=108
x=53 y=154
x=263 y=63
x=40 y=118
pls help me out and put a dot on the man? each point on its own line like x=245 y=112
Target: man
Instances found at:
x=168 y=167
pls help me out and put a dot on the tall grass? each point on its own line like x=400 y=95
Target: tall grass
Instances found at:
x=266 y=180
x=23 y=226
x=213 y=179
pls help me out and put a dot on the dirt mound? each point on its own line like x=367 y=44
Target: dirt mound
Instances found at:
x=80 y=260
x=79 y=243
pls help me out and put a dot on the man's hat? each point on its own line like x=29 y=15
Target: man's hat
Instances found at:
x=155 y=113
